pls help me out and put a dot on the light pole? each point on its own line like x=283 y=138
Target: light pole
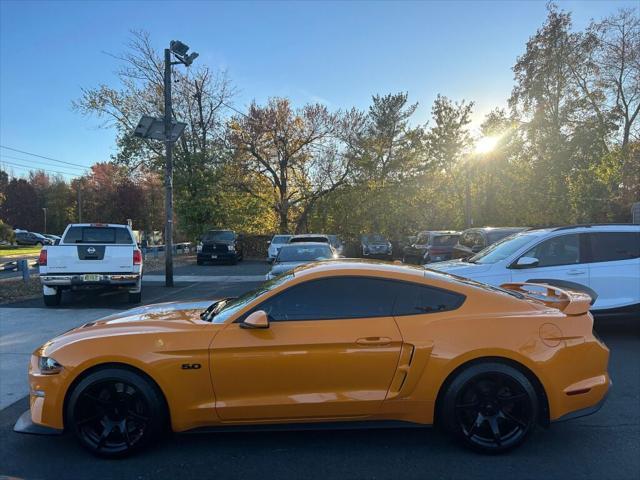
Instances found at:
x=44 y=209
x=179 y=51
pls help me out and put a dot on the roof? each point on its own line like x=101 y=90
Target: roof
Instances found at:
x=306 y=235
x=360 y=265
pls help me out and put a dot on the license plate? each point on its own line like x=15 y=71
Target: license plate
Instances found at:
x=214 y=256
x=91 y=278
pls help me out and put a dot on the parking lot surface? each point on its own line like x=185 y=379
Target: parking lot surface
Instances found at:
x=604 y=445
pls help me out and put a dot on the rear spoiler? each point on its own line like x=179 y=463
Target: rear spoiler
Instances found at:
x=569 y=302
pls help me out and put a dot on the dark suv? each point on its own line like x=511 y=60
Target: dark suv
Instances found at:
x=220 y=246
x=473 y=240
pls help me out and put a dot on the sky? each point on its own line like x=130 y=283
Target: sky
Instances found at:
x=337 y=53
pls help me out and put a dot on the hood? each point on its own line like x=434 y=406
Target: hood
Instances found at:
x=149 y=318
x=459 y=267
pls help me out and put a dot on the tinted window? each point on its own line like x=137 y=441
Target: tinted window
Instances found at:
x=444 y=240
x=98 y=235
x=332 y=298
x=609 y=247
x=561 y=250
x=304 y=252
x=467 y=239
x=423 y=239
x=219 y=236
x=413 y=299
x=309 y=239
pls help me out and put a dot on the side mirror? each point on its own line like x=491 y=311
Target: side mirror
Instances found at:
x=527 y=262
x=268 y=242
x=257 y=319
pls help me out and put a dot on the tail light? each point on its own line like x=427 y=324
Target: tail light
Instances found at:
x=42 y=259
x=137 y=257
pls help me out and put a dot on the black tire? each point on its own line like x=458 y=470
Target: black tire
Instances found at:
x=199 y=262
x=135 y=297
x=114 y=412
x=52 y=300
x=490 y=407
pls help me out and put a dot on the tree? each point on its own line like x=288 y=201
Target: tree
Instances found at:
x=292 y=151
x=20 y=208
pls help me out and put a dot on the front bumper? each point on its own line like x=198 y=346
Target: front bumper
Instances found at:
x=25 y=424
x=111 y=279
x=217 y=256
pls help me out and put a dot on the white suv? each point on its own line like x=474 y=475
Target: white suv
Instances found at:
x=603 y=260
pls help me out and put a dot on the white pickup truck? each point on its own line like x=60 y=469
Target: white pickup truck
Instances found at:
x=91 y=255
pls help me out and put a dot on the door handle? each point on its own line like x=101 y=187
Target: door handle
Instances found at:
x=379 y=341
x=575 y=272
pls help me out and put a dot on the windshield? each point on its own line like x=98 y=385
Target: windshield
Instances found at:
x=502 y=249
x=444 y=240
x=280 y=239
x=304 y=253
x=376 y=237
x=228 y=307
x=219 y=236
x=495 y=235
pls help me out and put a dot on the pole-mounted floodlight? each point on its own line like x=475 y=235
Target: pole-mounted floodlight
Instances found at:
x=179 y=48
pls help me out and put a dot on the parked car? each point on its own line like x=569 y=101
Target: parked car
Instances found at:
x=309 y=237
x=334 y=342
x=53 y=238
x=440 y=246
x=32 y=239
x=274 y=246
x=602 y=260
x=91 y=255
x=337 y=244
x=220 y=246
x=375 y=246
x=432 y=246
x=296 y=254
x=473 y=240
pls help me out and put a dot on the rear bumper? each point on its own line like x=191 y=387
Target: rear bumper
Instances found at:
x=71 y=280
x=583 y=412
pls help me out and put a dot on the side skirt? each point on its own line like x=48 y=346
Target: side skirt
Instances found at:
x=292 y=427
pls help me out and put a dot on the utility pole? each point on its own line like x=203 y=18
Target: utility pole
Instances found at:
x=168 y=173
x=79 y=201
x=44 y=209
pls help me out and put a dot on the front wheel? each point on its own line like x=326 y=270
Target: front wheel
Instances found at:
x=490 y=407
x=114 y=412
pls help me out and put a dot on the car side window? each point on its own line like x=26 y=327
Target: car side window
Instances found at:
x=331 y=299
x=613 y=246
x=414 y=299
x=467 y=239
x=557 y=251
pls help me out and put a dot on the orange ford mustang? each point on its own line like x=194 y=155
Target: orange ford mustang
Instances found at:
x=349 y=343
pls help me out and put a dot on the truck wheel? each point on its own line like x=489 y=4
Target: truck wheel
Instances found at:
x=135 y=297
x=199 y=262
x=52 y=300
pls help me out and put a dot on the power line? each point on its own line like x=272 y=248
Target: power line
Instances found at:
x=42 y=156
x=37 y=161
x=31 y=168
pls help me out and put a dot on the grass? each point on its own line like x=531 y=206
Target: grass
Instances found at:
x=11 y=251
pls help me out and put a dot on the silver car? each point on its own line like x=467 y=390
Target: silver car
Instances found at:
x=293 y=255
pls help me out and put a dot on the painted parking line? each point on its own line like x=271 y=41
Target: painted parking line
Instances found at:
x=207 y=278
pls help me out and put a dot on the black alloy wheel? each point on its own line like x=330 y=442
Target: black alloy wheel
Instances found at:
x=115 y=412
x=491 y=407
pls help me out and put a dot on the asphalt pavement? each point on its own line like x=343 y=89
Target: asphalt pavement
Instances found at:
x=604 y=445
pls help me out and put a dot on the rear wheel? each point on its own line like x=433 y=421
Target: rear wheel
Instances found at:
x=490 y=407
x=114 y=412
x=52 y=300
x=199 y=262
x=135 y=297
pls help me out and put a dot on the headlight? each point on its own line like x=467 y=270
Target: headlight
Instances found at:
x=48 y=366
x=232 y=248
x=199 y=247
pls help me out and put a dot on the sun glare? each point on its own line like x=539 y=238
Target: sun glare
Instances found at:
x=486 y=144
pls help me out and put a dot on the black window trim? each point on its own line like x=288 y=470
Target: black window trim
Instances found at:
x=462 y=299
